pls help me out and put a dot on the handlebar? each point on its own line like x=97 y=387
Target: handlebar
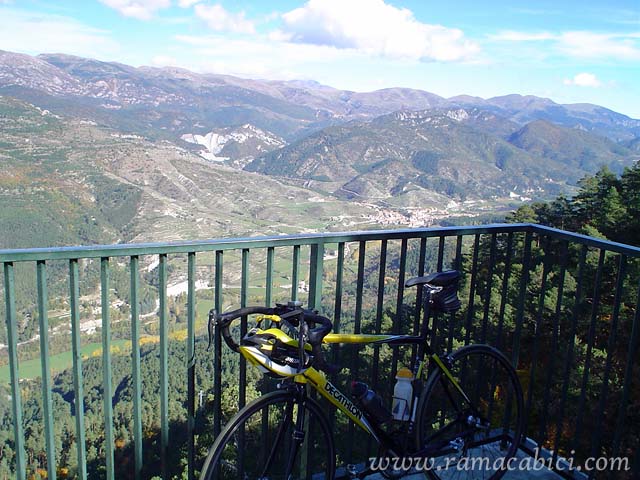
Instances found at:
x=318 y=327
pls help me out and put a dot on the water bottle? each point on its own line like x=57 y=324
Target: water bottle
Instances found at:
x=402 y=395
x=370 y=402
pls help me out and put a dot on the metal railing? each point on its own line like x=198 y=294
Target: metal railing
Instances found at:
x=563 y=306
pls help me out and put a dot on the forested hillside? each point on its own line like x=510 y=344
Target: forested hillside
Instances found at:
x=606 y=206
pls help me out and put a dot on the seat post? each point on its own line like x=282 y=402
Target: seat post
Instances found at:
x=424 y=328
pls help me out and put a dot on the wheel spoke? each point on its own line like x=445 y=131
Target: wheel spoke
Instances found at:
x=279 y=436
x=453 y=428
x=271 y=451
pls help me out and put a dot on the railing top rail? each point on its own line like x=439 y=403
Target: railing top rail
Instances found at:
x=136 y=249
x=587 y=240
x=186 y=246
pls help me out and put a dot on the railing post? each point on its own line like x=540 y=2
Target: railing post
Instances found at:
x=74 y=294
x=472 y=291
x=164 y=366
x=16 y=396
x=43 y=307
x=191 y=363
x=397 y=321
x=217 y=370
x=295 y=271
x=106 y=366
x=524 y=282
x=135 y=363
x=316 y=270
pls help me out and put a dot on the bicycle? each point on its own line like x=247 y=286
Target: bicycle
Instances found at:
x=470 y=406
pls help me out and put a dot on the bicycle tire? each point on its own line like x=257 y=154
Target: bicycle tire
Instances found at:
x=265 y=443
x=457 y=434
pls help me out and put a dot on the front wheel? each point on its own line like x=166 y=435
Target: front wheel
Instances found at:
x=261 y=442
x=473 y=433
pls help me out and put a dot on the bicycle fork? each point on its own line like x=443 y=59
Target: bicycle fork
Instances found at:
x=298 y=435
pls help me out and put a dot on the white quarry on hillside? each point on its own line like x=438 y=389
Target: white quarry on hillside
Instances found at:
x=458 y=115
x=216 y=140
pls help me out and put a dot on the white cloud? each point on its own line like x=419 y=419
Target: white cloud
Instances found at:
x=584 y=80
x=33 y=33
x=187 y=3
x=376 y=28
x=223 y=46
x=219 y=19
x=600 y=45
x=513 y=36
x=140 y=9
x=259 y=57
x=582 y=44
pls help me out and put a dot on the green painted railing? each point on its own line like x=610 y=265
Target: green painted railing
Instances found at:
x=564 y=306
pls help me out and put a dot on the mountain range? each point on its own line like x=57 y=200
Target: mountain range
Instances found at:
x=175 y=99
x=144 y=152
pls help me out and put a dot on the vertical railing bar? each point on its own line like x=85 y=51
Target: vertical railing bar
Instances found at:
x=397 y=321
x=337 y=314
x=590 y=340
x=337 y=311
x=572 y=338
x=242 y=378
x=353 y=361
x=244 y=296
x=295 y=271
x=436 y=318
x=534 y=356
x=74 y=295
x=316 y=269
x=457 y=266
x=504 y=296
x=264 y=387
x=487 y=293
x=43 y=307
x=217 y=371
x=524 y=282
x=472 y=290
x=164 y=372
x=359 y=289
x=107 y=396
x=440 y=253
x=503 y=302
x=597 y=432
x=16 y=395
x=419 y=294
x=268 y=296
x=379 y=307
x=628 y=376
x=191 y=363
x=555 y=337
x=135 y=365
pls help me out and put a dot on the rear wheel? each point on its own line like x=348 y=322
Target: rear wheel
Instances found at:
x=472 y=437
x=260 y=442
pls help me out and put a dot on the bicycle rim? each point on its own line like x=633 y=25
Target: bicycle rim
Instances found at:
x=476 y=439
x=258 y=443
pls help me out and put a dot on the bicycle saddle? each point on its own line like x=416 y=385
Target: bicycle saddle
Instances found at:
x=437 y=279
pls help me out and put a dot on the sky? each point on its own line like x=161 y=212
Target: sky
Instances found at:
x=571 y=51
